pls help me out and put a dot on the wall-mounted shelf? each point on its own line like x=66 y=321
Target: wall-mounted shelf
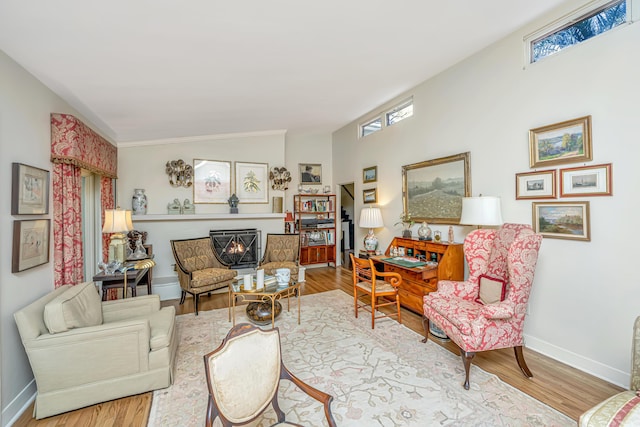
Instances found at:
x=206 y=217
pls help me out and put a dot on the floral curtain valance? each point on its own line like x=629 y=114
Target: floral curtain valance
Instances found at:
x=73 y=142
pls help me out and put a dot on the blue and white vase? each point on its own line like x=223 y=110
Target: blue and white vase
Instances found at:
x=139 y=202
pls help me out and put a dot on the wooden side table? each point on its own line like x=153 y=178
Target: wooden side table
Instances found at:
x=116 y=280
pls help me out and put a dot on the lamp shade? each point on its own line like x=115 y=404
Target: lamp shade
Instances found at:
x=117 y=221
x=371 y=218
x=482 y=210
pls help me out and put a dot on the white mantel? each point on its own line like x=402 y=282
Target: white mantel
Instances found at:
x=207 y=217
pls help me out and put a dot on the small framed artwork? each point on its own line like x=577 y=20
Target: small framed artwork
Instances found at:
x=536 y=185
x=310 y=173
x=562 y=220
x=586 y=181
x=370 y=174
x=29 y=190
x=30 y=244
x=211 y=181
x=565 y=142
x=252 y=182
x=370 y=195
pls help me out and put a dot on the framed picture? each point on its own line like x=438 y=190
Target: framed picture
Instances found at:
x=586 y=181
x=29 y=190
x=562 y=220
x=211 y=181
x=565 y=142
x=536 y=185
x=30 y=244
x=370 y=174
x=310 y=173
x=252 y=182
x=432 y=190
x=370 y=195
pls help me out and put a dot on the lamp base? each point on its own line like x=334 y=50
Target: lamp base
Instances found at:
x=370 y=241
x=117 y=250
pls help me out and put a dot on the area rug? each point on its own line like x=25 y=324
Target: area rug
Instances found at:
x=381 y=377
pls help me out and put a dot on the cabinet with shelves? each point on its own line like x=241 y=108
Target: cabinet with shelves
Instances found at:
x=315 y=221
x=419 y=281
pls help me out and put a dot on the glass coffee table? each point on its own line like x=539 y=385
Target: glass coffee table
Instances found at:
x=264 y=304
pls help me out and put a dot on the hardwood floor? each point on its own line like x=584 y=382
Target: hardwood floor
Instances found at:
x=558 y=385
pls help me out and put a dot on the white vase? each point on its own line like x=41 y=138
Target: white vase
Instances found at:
x=139 y=202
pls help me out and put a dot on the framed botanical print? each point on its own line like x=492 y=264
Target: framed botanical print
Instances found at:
x=252 y=182
x=211 y=181
x=29 y=190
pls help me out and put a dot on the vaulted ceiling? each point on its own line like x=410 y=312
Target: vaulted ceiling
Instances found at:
x=156 y=69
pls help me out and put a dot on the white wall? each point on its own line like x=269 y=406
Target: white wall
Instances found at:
x=25 y=137
x=585 y=295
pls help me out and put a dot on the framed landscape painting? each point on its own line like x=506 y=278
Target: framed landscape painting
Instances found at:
x=432 y=190
x=252 y=181
x=211 y=181
x=370 y=196
x=562 y=220
x=536 y=185
x=565 y=142
x=369 y=174
x=586 y=181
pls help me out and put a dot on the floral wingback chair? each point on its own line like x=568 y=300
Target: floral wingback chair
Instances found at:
x=281 y=251
x=487 y=311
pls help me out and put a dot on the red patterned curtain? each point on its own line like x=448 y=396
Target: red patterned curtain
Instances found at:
x=107 y=202
x=75 y=146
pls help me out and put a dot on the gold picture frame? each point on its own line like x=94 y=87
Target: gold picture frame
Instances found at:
x=432 y=190
x=536 y=185
x=583 y=181
x=559 y=143
x=370 y=195
x=29 y=190
x=369 y=174
x=562 y=220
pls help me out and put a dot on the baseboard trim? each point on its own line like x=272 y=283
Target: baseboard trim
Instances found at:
x=166 y=287
x=577 y=361
x=14 y=410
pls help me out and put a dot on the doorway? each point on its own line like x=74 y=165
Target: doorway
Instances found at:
x=347 y=221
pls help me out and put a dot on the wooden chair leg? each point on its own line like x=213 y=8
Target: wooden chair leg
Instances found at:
x=182 y=297
x=521 y=363
x=373 y=312
x=398 y=306
x=466 y=360
x=425 y=325
x=355 y=300
x=196 y=297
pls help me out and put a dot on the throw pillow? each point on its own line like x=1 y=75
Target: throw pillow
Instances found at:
x=492 y=290
x=77 y=307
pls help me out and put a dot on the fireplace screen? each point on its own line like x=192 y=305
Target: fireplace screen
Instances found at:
x=238 y=248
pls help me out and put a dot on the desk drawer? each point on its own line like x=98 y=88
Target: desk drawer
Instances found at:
x=411 y=301
x=406 y=274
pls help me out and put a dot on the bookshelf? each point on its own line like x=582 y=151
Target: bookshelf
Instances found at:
x=315 y=221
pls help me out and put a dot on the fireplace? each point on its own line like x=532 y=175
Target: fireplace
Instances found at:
x=238 y=248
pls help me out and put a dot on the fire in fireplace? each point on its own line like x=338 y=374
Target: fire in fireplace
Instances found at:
x=238 y=248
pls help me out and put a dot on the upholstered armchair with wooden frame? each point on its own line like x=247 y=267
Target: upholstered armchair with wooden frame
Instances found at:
x=199 y=268
x=376 y=284
x=622 y=409
x=281 y=251
x=487 y=311
x=243 y=376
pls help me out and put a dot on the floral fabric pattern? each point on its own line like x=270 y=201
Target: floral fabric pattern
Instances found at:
x=477 y=327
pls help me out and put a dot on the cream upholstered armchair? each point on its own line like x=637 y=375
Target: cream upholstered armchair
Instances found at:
x=85 y=351
x=487 y=311
x=243 y=385
x=623 y=409
x=281 y=251
x=199 y=268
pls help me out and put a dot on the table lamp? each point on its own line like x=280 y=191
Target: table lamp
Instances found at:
x=481 y=210
x=371 y=218
x=117 y=222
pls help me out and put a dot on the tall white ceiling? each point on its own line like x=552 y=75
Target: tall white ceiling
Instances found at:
x=156 y=69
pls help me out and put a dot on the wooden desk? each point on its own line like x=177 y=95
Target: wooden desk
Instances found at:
x=419 y=281
x=116 y=280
